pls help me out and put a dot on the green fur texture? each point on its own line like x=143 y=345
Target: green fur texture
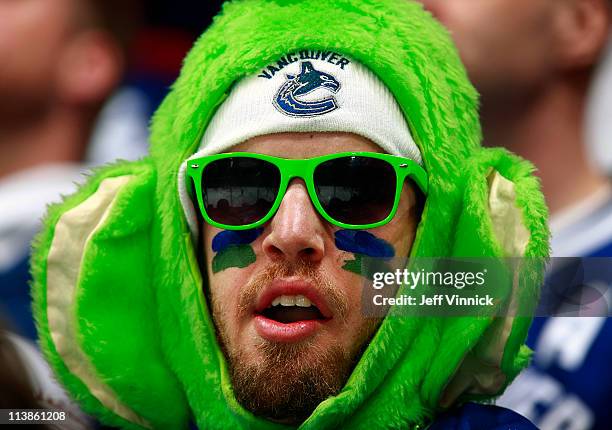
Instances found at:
x=142 y=319
x=116 y=315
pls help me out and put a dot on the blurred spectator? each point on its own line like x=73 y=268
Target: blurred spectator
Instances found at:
x=122 y=127
x=155 y=60
x=533 y=61
x=60 y=61
x=599 y=126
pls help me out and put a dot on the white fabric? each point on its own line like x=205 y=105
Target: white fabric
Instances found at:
x=363 y=106
x=506 y=216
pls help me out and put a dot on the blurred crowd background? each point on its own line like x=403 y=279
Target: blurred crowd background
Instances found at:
x=79 y=82
x=80 y=79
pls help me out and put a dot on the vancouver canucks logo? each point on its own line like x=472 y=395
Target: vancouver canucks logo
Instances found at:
x=287 y=99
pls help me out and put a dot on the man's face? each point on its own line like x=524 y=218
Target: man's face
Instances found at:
x=506 y=45
x=286 y=359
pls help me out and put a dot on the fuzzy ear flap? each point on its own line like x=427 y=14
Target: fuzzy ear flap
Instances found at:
x=504 y=210
x=94 y=301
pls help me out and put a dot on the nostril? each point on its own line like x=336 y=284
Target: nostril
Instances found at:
x=310 y=254
x=274 y=251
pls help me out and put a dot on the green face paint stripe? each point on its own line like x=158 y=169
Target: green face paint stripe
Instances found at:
x=354 y=265
x=366 y=267
x=239 y=256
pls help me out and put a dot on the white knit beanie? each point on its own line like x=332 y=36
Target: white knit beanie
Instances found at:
x=306 y=91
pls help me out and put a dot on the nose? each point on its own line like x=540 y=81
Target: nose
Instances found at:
x=296 y=230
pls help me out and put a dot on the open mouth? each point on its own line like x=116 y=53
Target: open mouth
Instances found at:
x=290 y=309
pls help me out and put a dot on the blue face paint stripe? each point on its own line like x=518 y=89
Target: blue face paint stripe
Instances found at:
x=364 y=243
x=227 y=238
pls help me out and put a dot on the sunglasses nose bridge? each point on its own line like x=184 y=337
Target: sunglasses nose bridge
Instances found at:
x=294 y=169
x=298 y=169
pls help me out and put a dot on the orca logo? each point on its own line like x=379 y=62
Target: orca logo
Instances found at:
x=308 y=80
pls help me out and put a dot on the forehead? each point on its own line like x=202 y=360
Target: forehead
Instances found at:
x=306 y=145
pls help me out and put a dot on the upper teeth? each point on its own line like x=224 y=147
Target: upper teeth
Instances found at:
x=299 y=300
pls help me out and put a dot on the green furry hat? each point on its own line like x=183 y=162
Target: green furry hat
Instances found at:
x=118 y=295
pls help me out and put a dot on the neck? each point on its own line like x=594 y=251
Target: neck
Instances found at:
x=548 y=131
x=59 y=136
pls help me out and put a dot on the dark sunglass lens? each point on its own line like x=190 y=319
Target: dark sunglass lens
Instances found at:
x=356 y=190
x=239 y=190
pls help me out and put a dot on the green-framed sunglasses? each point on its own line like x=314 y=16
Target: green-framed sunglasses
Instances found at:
x=352 y=190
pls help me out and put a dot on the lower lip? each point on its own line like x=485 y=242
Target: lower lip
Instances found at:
x=279 y=332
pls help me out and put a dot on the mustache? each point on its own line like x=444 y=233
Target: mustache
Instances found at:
x=335 y=299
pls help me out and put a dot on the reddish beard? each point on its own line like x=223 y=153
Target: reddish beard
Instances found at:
x=291 y=379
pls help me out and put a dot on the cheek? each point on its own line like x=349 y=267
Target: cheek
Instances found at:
x=224 y=291
x=400 y=232
x=400 y=237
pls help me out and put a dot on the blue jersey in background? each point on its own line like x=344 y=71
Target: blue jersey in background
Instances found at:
x=569 y=384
